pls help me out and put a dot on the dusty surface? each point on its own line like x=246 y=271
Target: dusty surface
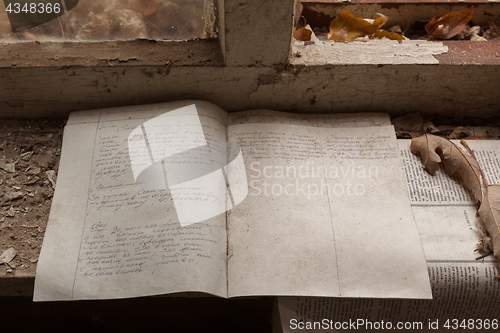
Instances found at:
x=29 y=153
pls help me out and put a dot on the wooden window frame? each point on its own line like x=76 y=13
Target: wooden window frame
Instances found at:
x=250 y=65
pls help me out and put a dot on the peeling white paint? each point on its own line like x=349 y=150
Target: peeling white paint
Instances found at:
x=371 y=52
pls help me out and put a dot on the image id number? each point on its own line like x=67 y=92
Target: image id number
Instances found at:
x=34 y=8
x=470 y=324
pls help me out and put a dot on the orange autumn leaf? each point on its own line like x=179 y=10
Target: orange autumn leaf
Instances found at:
x=346 y=27
x=386 y=34
x=449 y=25
x=302 y=34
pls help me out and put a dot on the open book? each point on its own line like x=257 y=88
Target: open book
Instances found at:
x=311 y=205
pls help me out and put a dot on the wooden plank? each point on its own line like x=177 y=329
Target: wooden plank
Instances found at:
x=257 y=32
x=141 y=52
x=454 y=90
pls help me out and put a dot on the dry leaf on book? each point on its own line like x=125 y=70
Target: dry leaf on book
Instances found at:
x=490 y=214
x=449 y=25
x=434 y=150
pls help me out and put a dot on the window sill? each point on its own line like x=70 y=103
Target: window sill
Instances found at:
x=388 y=52
x=140 y=52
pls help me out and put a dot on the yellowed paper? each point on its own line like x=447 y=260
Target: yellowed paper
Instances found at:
x=327 y=214
x=108 y=237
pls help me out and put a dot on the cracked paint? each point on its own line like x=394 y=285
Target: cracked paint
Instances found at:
x=370 y=52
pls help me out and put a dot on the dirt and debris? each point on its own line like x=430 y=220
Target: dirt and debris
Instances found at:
x=29 y=160
x=7 y=256
x=413 y=125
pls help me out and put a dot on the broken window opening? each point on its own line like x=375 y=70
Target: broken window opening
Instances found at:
x=406 y=17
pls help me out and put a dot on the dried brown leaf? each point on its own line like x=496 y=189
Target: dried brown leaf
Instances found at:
x=302 y=34
x=490 y=214
x=433 y=150
x=449 y=25
x=386 y=34
x=346 y=27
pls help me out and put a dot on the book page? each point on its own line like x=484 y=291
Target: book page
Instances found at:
x=463 y=287
x=327 y=214
x=111 y=236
